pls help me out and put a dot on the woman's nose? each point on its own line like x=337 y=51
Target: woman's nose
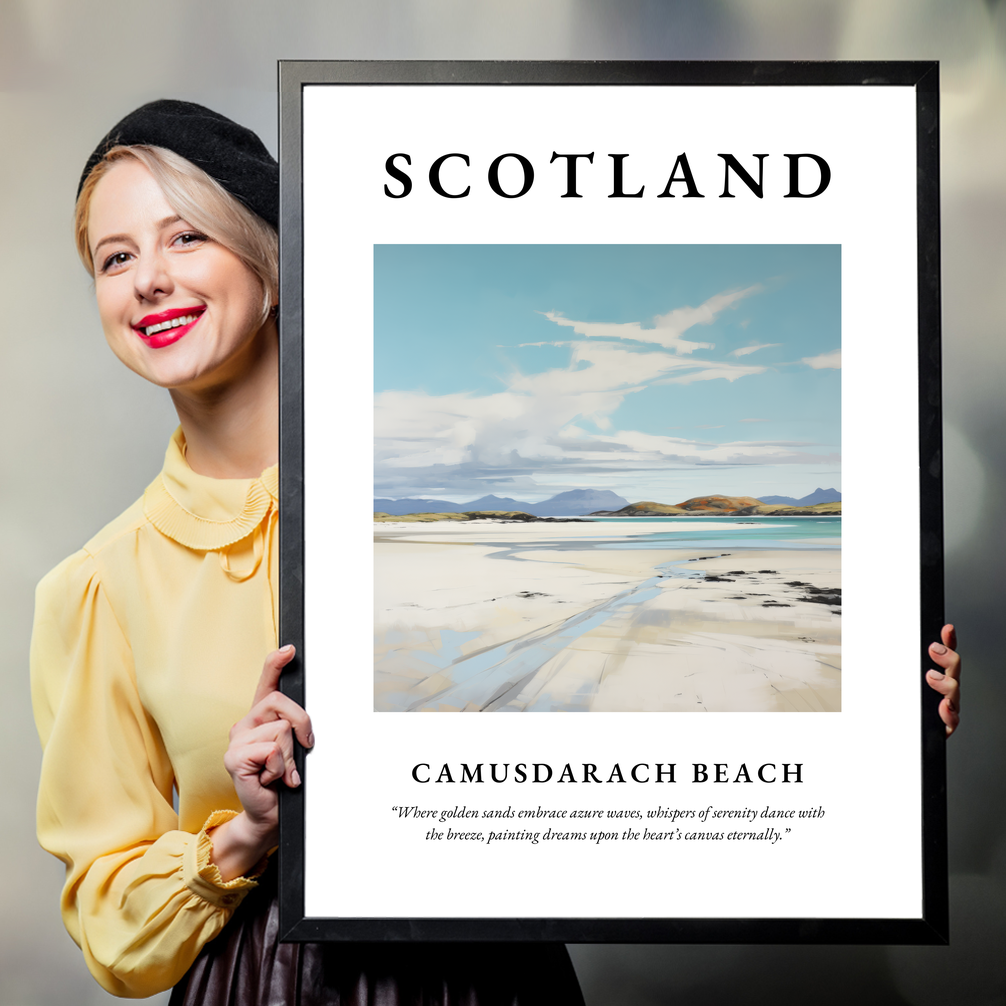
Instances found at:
x=152 y=277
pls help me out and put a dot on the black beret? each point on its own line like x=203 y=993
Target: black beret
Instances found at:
x=231 y=154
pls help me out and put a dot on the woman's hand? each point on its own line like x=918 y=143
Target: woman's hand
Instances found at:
x=947 y=682
x=260 y=753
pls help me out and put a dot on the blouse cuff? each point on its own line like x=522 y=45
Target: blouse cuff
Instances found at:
x=202 y=876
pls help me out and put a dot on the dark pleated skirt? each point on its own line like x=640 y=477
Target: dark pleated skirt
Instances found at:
x=246 y=965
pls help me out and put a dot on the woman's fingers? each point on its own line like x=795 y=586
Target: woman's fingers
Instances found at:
x=270 y=703
x=278 y=736
x=949 y=636
x=277 y=706
x=947 y=657
x=271 y=671
x=949 y=688
x=944 y=684
x=946 y=681
x=261 y=749
x=274 y=766
x=260 y=761
x=950 y=716
x=949 y=711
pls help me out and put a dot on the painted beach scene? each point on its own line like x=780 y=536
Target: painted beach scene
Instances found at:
x=607 y=478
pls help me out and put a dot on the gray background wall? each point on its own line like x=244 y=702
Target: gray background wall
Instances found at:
x=82 y=437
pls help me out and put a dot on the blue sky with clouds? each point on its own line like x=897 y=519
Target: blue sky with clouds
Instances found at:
x=660 y=372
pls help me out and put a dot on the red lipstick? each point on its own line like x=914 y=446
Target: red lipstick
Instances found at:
x=166 y=327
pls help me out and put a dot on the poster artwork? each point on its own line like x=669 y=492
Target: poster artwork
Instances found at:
x=583 y=363
x=607 y=478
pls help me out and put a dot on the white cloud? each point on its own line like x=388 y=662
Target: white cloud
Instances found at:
x=555 y=426
x=745 y=350
x=726 y=371
x=667 y=328
x=470 y=440
x=537 y=345
x=626 y=330
x=826 y=361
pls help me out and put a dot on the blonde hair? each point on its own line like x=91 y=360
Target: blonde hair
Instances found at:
x=199 y=200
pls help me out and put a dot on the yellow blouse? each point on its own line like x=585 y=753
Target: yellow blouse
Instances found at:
x=147 y=647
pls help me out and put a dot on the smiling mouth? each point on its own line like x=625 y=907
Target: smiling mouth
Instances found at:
x=185 y=319
x=165 y=324
x=167 y=327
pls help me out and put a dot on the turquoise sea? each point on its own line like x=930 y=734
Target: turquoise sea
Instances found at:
x=733 y=532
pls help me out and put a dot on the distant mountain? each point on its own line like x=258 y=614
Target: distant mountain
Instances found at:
x=398 y=507
x=573 y=503
x=722 y=506
x=576 y=502
x=492 y=503
x=603 y=502
x=817 y=496
x=727 y=503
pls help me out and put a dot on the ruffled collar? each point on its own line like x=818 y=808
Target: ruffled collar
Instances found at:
x=203 y=513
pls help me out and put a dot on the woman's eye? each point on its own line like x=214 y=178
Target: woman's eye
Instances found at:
x=114 y=261
x=190 y=238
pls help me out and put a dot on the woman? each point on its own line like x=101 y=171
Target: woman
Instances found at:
x=148 y=643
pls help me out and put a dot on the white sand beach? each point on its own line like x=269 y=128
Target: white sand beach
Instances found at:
x=481 y=616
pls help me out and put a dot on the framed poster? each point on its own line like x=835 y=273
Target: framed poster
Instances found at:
x=582 y=363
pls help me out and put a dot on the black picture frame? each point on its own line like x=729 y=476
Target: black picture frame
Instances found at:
x=931 y=927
